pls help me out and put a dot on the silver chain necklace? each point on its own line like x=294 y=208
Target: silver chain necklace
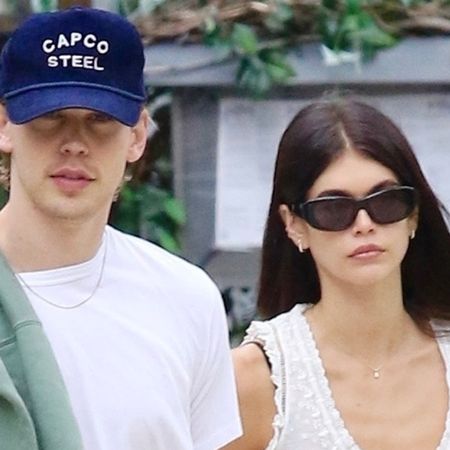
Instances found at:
x=82 y=302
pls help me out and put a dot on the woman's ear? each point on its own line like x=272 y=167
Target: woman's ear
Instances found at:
x=294 y=227
x=139 y=140
x=413 y=222
x=286 y=215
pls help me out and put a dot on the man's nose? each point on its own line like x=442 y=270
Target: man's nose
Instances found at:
x=73 y=142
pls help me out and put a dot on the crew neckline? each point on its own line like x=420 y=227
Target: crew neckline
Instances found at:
x=66 y=274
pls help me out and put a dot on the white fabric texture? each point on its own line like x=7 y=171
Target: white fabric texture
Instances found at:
x=146 y=361
x=307 y=417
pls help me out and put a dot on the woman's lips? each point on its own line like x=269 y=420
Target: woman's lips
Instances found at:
x=366 y=251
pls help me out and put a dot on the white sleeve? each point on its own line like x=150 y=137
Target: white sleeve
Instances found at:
x=215 y=417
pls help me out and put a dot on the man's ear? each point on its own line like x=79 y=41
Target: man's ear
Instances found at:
x=5 y=140
x=139 y=139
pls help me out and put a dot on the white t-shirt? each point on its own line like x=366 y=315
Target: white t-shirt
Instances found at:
x=146 y=360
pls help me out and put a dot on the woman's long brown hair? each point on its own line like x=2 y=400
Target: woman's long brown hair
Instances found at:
x=313 y=139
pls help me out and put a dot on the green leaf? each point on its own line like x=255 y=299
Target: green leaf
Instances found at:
x=353 y=7
x=166 y=240
x=175 y=210
x=153 y=202
x=252 y=76
x=277 y=66
x=214 y=35
x=278 y=73
x=350 y=24
x=376 y=37
x=244 y=39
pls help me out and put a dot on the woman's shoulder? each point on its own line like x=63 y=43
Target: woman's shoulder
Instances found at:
x=256 y=396
x=265 y=332
x=252 y=370
x=249 y=357
x=253 y=374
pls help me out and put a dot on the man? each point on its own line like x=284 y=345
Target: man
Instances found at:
x=139 y=335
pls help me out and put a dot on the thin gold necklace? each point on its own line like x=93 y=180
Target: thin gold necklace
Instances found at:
x=82 y=302
x=376 y=371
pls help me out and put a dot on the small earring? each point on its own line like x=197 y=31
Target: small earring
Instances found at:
x=299 y=245
x=295 y=237
x=413 y=234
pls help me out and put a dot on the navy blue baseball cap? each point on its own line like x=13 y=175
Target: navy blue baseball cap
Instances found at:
x=76 y=58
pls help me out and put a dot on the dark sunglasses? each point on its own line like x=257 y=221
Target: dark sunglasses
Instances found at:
x=336 y=213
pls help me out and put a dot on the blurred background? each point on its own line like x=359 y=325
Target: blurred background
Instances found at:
x=224 y=78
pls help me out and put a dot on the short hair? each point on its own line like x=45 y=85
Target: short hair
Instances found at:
x=316 y=136
x=5 y=170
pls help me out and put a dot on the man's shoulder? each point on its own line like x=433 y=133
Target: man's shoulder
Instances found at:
x=149 y=257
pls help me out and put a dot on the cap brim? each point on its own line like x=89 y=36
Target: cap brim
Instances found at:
x=29 y=105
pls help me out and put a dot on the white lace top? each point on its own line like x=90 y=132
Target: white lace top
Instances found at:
x=307 y=417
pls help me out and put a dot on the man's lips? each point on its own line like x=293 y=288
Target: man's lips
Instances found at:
x=71 y=179
x=72 y=174
x=366 y=250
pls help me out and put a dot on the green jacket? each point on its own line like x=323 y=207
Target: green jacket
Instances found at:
x=35 y=412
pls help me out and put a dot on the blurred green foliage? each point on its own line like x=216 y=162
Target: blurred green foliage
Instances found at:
x=348 y=25
x=147 y=206
x=259 y=34
x=3 y=197
x=150 y=212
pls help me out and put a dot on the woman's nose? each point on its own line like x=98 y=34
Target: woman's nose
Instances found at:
x=363 y=223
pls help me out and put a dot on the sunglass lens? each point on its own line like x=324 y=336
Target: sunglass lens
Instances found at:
x=391 y=206
x=332 y=214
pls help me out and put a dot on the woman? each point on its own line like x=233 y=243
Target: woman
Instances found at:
x=355 y=278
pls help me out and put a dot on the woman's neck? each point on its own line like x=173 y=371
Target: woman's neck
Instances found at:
x=365 y=322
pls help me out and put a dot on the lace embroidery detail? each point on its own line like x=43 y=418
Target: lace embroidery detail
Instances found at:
x=329 y=423
x=263 y=333
x=307 y=417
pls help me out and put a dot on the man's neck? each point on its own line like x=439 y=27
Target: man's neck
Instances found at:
x=37 y=243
